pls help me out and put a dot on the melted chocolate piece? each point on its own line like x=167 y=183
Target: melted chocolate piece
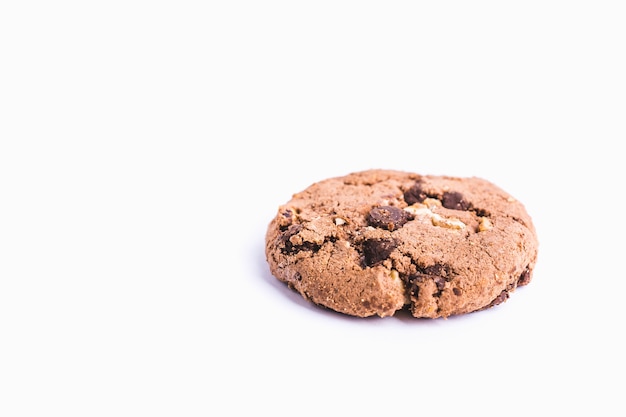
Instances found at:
x=438 y=270
x=290 y=248
x=414 y=289
x=524 y=278
x=502 y=297
x=415 y=194
x=455 y=201
x=376 y=251
x=440 y=282
x=388 y=217
x=305 y=246
x=292 y=230
x=438 y=273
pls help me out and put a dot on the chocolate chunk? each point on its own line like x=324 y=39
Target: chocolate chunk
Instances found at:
x=305 y=246
x=377 y=250
x=292 y=230
x=440 y=282
x=524 y=278
x=415 y=278
x=388 y=217
x=289 y=247
x=502 y=297
x=455 y=201
x=414 y=289
x=438 y=273
x=438 y=270
x=415 y=194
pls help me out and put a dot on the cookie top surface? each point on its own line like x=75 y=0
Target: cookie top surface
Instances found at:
x=377 y=241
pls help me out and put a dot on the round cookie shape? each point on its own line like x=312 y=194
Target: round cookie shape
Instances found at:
x=378 y=241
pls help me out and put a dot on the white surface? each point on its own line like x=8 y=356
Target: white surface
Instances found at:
x=144 y=147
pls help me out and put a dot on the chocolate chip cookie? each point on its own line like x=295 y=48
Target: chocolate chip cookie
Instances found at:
x=378 y=241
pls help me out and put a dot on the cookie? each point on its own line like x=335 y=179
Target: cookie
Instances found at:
x=379 y=241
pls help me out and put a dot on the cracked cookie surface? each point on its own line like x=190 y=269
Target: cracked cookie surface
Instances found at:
x=378 y=241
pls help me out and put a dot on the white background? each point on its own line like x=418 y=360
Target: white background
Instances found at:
x=145 y=146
